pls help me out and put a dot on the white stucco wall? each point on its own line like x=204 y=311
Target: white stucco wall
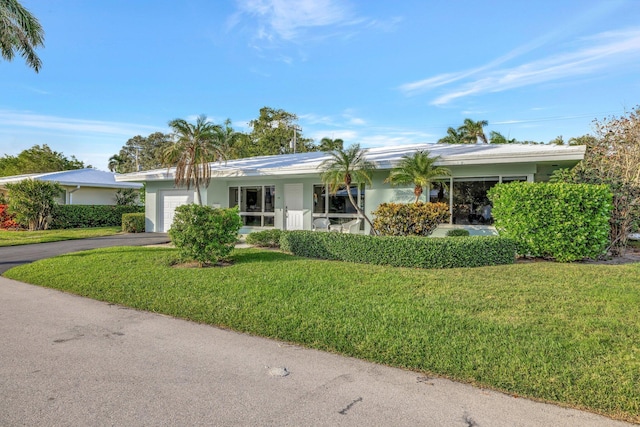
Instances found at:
x=217 y=194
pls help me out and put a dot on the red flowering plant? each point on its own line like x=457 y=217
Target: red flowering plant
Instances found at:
x=6 y=219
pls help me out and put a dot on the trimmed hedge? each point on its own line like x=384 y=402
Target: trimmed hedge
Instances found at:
x=458 y=232
x=409 y=219
x=88 y=216
x=568 y=222
x=133 y=222
x=265 y=238
x=401 y=251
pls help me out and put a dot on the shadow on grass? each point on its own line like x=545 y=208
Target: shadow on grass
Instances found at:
x=240 y=256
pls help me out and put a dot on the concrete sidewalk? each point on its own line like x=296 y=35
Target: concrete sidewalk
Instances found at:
x=67 y=360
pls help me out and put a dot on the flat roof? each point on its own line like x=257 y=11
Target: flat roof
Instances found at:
x=382 y=157
x=83 y=177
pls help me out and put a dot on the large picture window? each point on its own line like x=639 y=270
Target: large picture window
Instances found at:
x=256 y=204
x=337 y=207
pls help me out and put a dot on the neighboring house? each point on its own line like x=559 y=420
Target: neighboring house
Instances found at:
x=82 y=186
x=286 y=192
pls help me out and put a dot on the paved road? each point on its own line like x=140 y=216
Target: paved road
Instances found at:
x=72 y=361
x=11 y=256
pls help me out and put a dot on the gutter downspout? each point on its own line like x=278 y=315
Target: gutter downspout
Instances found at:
x=71 y=194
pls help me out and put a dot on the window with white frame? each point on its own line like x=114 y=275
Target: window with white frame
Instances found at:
x=337 y=207
x=256 y=204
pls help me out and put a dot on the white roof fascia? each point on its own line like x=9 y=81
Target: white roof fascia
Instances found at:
x=384 y=158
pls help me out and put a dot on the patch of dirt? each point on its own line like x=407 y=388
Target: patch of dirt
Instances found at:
x=195 y=264
x=632 y=255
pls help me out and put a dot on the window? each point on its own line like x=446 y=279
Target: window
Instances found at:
x=470 y=200
x=508 y=179
x=256 y=204
x=337 y=207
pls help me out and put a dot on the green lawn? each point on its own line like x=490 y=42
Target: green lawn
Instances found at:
x=566 y=333
x=12 y=238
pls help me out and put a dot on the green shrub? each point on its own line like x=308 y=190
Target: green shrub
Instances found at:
x=409 y=219
x=401 y=251
x=203 y=233
x=458 y=232
x=567 y=222
x=133 y=223
x=33 y=202
x=88 y=216
x=265 y=238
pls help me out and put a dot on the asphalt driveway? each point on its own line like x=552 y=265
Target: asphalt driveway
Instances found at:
x=12 y=256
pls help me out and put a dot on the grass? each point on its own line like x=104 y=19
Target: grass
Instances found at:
x=13 y=238
x=565 y=333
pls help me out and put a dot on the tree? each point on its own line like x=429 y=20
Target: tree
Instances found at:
x=274 y=131
x=328 y=144
x=32 y=201
x=418 y=169
x=473 y=131
x=38 y=159
x=232 y=142
x=20 y=32
x=116 y=164
x=195 y=147
x=126 y=197
x=558 y=140
x=345 y=167
x=498 y=138
x=141 y=153
x=453 y=137
x=583 y=140
x=612 y=157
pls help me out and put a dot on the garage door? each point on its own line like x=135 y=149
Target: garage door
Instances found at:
x=169 y=201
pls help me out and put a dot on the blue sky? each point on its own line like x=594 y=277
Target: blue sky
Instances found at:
x=370 y=72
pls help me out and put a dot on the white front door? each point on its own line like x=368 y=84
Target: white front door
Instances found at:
x=293 y=206
x=169 y=201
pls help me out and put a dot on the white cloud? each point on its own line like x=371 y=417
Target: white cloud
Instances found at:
x=274 y=23
x=595 y=54
x=11 y=119
x=284 y=19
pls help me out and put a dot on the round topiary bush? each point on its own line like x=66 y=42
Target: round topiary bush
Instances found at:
x=205 y=234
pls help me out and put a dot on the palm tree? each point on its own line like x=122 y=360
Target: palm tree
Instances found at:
x=195 y=146
x=473 y=131
x=228 y=139
x=344 y=167
x=453 y=137
x=498 y=138
x=116 y=163
x=20 y=32
x=328 y=144
x=417 y=169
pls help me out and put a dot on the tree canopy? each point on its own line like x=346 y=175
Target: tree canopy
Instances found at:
x=472 y=132
x=344 y=167
x=418 y=169
x=37 y=159
x=195 y=146
x=20 y=32
x=141 y=153
x=273 y=132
